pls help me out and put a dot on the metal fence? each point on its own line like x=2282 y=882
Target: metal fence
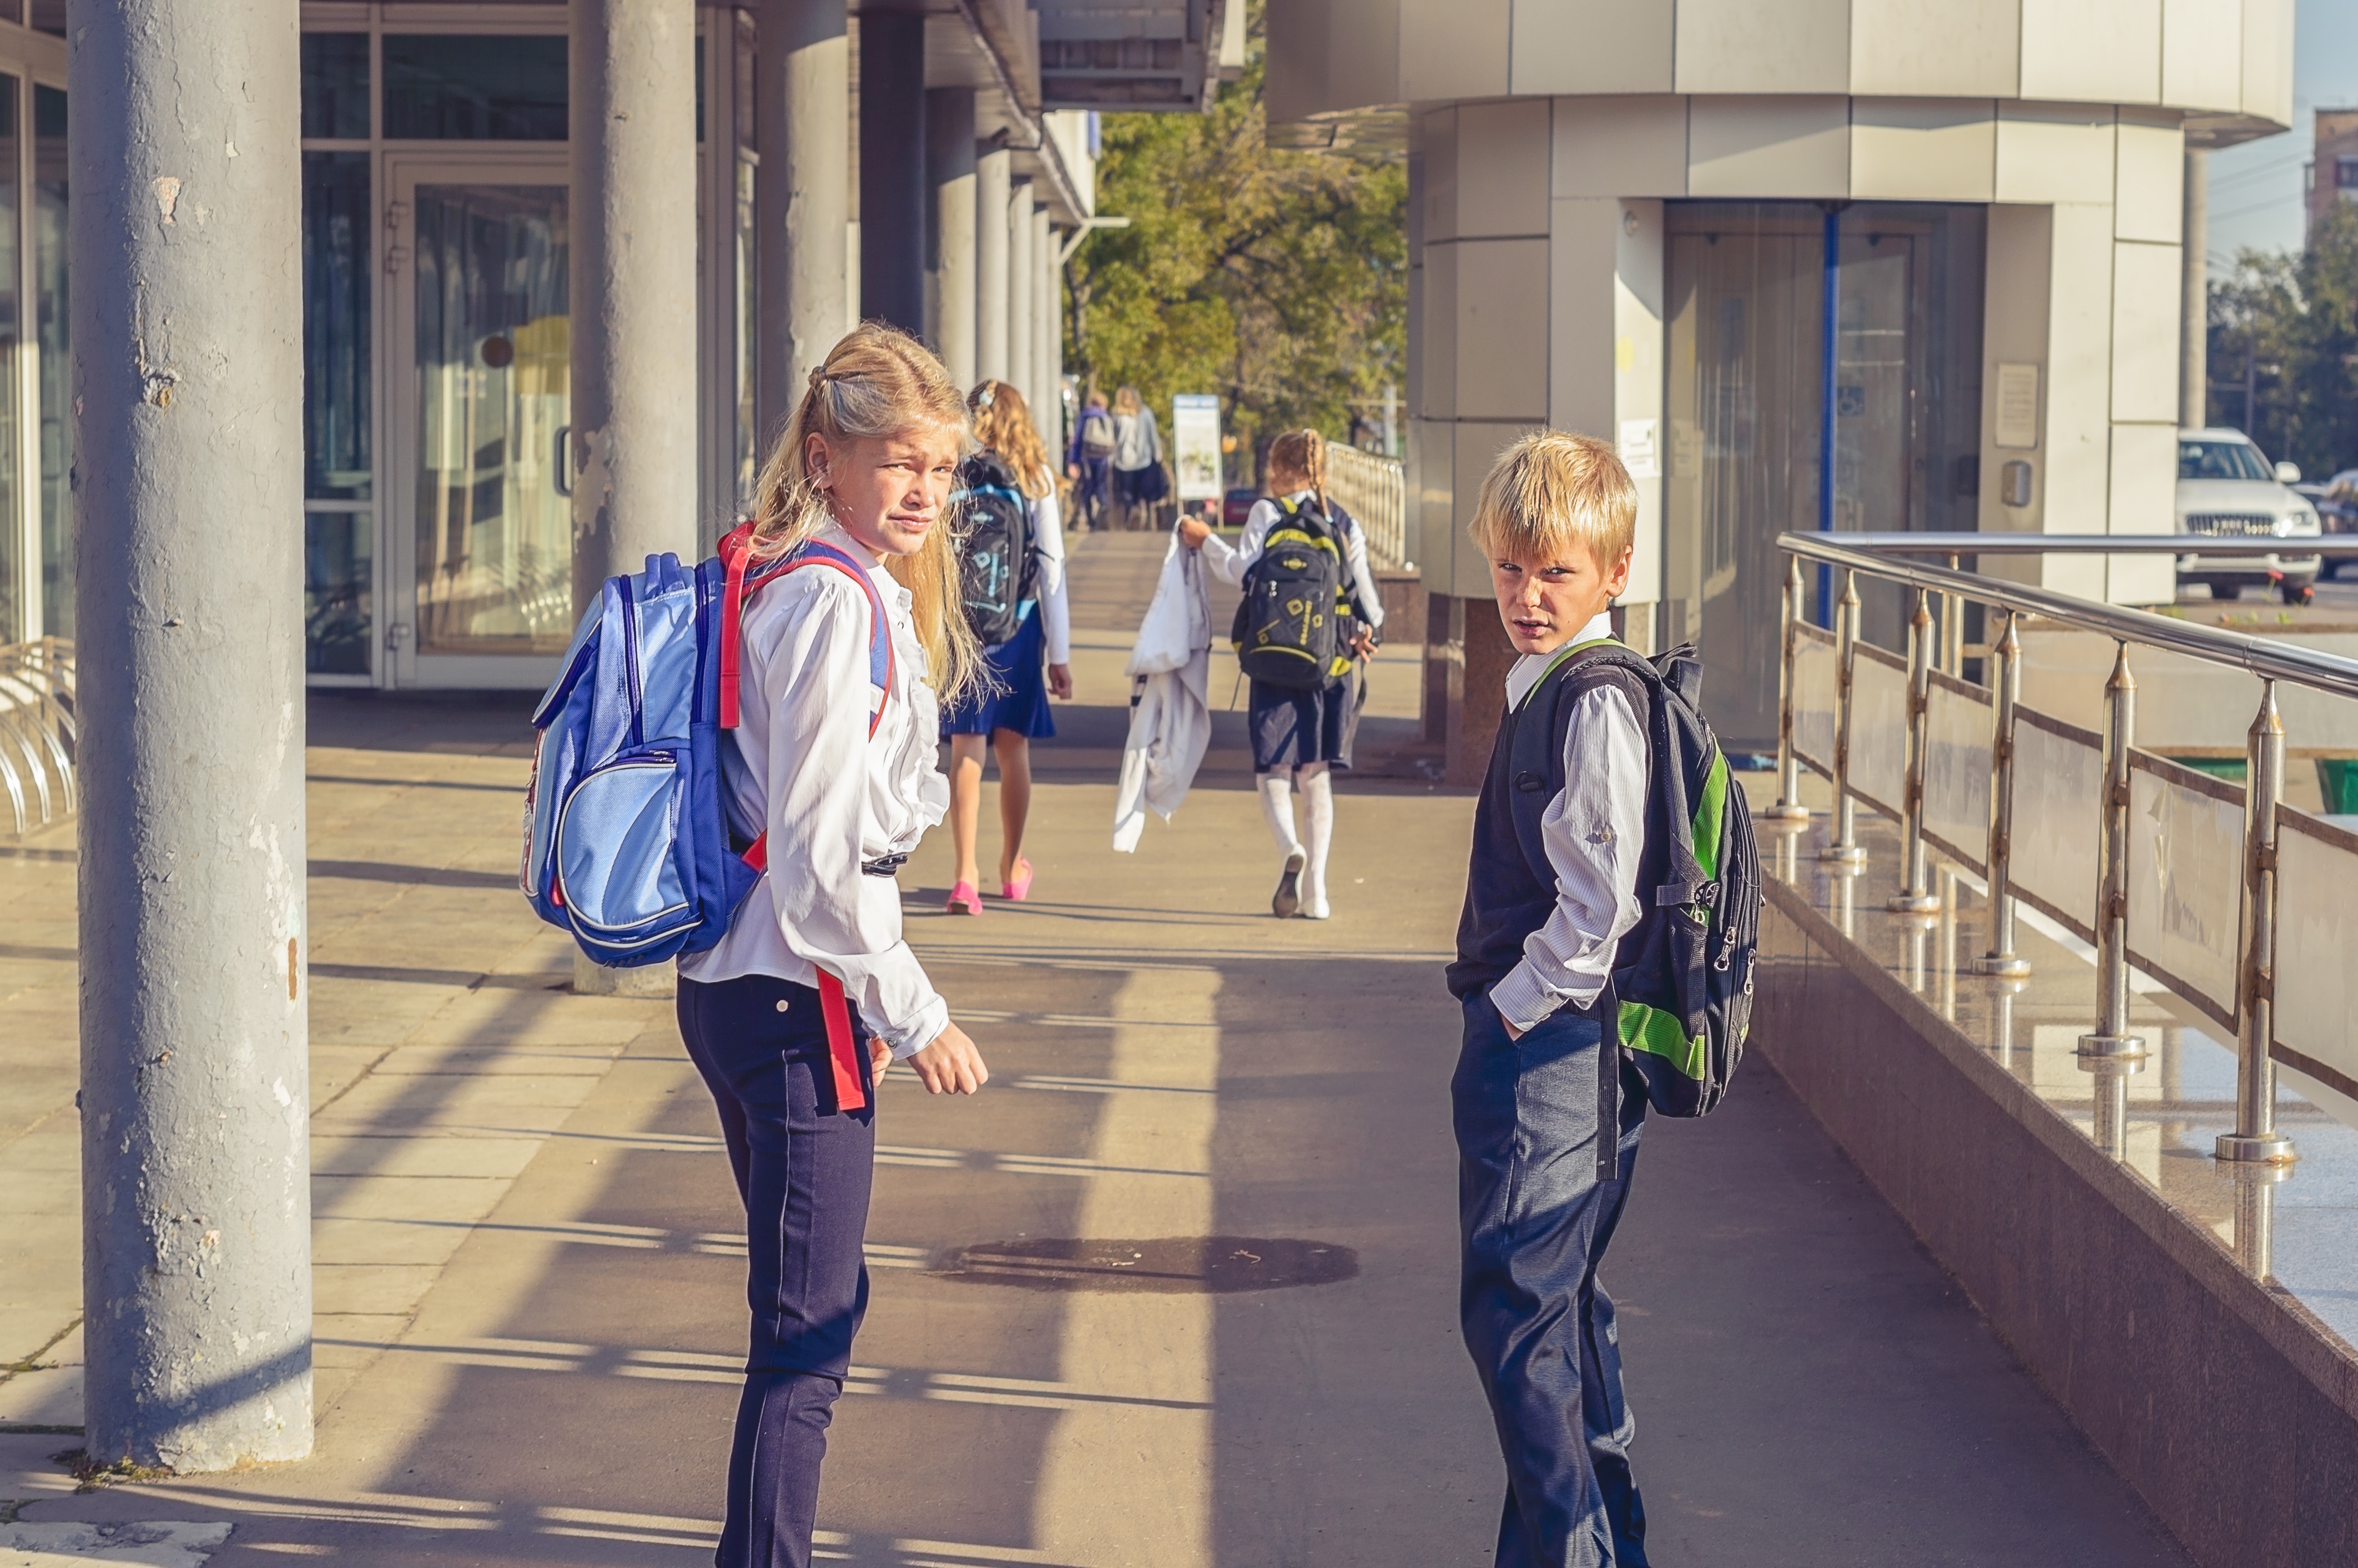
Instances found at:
x=37 y=733
x=1375 y=490
x=2224 y=894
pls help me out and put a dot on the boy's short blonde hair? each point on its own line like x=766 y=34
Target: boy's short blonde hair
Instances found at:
x=1552 y=490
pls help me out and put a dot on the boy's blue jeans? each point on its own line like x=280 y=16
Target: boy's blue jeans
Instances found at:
x=1534 y=1220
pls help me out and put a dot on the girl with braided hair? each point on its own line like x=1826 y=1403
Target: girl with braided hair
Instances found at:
x=1298 y=737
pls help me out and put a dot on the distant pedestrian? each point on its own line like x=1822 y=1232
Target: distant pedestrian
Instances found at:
x=1138 y=482
x=791 y=1019
x=1552 y=890
x=1012 y=561
x=1090 y=461
x=1302 y=727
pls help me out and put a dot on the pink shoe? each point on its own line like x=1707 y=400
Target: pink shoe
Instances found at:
x=1017 y=891
x=966 y=899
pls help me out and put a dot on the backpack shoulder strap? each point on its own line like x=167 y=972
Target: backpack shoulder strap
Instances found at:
x=746 y=577
x=1545 y=714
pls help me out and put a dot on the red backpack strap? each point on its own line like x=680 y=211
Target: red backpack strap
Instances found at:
x=882 y=662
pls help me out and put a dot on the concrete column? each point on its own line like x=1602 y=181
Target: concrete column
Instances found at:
x=2194 y=323
x=1022 y=291
x=949 y=157
x=893 y=193
x=1054 y=426
x=633 y=286
x=189 y=385
x=801 y=195
x=991 y=195
x=1044 y=326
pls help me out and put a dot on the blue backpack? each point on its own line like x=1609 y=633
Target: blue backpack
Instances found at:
x=627 y=842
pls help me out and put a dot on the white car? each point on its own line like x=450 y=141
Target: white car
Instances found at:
x=2227 y=490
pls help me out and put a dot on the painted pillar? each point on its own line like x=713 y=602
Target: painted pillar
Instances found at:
x=185 y=246
x=1022 y=291
x=894 y=194
x=1057 y=433
x=633 y=286
x=991 y=195
x=1043 y=392
x=949 y=159
x=801 y=195
x=2195 y=320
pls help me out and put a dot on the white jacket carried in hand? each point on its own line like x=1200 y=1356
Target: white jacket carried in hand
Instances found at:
x=1169 y=702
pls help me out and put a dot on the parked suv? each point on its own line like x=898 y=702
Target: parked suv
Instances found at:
x=2227 y=490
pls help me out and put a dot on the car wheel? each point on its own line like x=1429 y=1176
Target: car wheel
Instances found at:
x=2298 y=592
x=2226 y=590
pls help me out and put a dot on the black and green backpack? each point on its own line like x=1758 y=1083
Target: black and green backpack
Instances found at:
x=1295 y=624
x=1682 y=979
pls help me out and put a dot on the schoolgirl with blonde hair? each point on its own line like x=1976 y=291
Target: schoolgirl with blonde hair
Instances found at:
x=847 y=655
x=1012 y=712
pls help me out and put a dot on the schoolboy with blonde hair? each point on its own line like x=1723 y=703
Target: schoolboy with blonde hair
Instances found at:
x=1536 y=947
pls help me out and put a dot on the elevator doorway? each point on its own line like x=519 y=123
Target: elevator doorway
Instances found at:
x=1750 y=405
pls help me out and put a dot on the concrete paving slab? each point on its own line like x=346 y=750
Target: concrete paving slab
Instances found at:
x=412 y=1152
x=480 y=1105
x=369 y=1289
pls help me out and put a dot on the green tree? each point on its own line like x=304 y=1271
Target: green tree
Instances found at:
x=1277 y=280
x=2291 y=319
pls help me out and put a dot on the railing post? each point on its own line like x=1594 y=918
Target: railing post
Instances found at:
x=2006 y=687
x=1844 y=846
x=2255 y=1137
x=1915 y=897
x=2111 y=1036
x=1953 y=631
x=1789 y=806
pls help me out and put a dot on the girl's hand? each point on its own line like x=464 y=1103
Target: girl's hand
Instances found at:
x=950 y=1065
x=1192 y=532
x=1060 y=681
x=880 y=1060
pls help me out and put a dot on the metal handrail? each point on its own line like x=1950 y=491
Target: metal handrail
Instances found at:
x=2261 y=657
x=2094 y=543
x=1374 y=490
x=36 y=716
x=2108 y=1050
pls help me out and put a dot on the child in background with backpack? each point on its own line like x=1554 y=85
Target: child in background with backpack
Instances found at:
x=1537 y=946
x=1300 y=733
x=1011 y=567
x=1090 y=461
x=833 y=757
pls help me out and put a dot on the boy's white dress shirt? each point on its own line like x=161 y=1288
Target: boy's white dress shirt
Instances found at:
x=832 y=799
x=1595 y=832
x=1230 y=562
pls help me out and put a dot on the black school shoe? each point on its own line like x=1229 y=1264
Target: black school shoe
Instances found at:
x=1287 y=901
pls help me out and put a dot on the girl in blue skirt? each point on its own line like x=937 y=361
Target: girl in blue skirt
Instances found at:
x=1011 y=708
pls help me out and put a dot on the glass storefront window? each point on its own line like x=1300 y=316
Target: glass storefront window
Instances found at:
x=336 y=368
x=12 y=10
x=441 y=88
x=494 y=530
x=49 y=16
x=338 y=566
x=14 y=580
x=336 y=85
x=50 y=304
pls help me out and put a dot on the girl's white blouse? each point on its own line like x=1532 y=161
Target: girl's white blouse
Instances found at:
x=803 y=768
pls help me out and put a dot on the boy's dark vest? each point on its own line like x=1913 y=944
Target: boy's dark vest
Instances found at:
x=1679 y=998
x=1506 y=898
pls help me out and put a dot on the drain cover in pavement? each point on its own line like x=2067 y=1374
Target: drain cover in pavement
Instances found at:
x=1212 y=1264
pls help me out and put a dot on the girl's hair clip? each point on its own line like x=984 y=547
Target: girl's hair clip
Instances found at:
x=984 y=394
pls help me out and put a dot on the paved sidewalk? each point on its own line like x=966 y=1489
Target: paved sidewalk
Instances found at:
x=531 y=1258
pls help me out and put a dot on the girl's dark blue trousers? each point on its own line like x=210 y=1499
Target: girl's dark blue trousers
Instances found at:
x=803 y=1168
x=1534 y=1220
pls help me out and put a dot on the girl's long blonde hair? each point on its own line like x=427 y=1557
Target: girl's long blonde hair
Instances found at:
x=1002 y=422
x=876 y=382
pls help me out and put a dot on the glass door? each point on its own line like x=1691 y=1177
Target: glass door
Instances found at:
x=479 y=536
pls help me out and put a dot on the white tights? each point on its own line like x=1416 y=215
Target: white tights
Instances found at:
x=1317 y=787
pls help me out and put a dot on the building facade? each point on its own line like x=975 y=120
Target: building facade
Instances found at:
x=437 y=191
x=2334 y=166
x=1811 y=263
